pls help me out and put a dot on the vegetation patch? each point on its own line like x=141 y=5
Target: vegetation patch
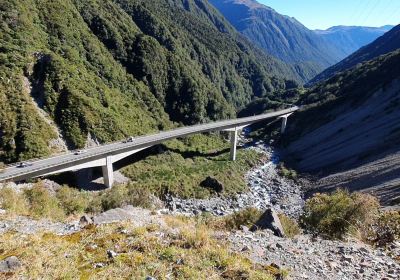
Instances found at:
x=186 y=163
x=338 y=214
x=189 y=251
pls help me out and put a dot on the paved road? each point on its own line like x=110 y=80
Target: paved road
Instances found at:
x=44 y=166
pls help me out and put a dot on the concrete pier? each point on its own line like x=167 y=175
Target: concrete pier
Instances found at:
x=234 y=138
x=108 y=173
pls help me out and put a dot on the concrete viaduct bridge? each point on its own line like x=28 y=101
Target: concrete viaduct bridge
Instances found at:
x=105 y=155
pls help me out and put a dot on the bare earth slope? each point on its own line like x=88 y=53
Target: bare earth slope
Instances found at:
x=350 y=136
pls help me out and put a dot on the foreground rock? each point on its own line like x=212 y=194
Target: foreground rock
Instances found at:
x=270 y=220
x=310 y=258
x=9 y=264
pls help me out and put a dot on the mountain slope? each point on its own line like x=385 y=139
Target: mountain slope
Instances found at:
x=281 y=36
x=102 y=70
x=389 y=42
x=354 y=142
x=349 y=39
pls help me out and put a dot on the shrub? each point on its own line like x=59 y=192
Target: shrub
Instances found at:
x=286 y=172
x=290 y=227
x=337 y=214
x=383 y=230
x=247 y=217
x=13 y=201
x=140 y=197
x=42 y=203
x=72 y=200
x=114 y=197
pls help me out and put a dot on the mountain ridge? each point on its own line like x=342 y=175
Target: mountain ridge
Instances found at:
x=388 y=42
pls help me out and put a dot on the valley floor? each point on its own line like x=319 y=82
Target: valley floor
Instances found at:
x=174 y=243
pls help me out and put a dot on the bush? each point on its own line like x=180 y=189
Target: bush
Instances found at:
x=13 y=201
x=247 y=217
x=290 y=227
x=114 y=197
x=42 y=203
x=286 y=172
x=72 y=200
x=340 y=213
x=383 y=230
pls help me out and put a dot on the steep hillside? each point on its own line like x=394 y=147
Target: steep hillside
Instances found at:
x=102 y=70
x=355 y=138
x=349 y=39
x=389 y=42
x=281 y=36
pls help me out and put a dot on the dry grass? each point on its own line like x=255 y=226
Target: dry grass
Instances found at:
x=188 y=250
x=290 y=226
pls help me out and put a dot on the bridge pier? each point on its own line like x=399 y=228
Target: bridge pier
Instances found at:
x=283 y=126
x=284 y=122
x=234 y=138
x=108 y=172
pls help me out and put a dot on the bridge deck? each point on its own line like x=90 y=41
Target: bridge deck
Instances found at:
x=60 y=162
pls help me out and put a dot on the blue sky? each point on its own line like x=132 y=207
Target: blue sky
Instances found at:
x=321 y=14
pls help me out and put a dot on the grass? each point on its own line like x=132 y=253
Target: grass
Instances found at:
x=290 y=226
x=188 y=251
x=187 y=162
x=339 y=214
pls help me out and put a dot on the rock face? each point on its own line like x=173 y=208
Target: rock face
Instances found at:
x=270 y=220
x=10 y=264
x=213 y=184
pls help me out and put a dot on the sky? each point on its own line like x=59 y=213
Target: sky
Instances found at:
x=322 y=14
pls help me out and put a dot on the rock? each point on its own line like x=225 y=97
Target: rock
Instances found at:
x=213 y=184
x=111 y=254
x=150 y=278
x=99 y=265
x=85 y=220
x=270 y=220
x=10 y=264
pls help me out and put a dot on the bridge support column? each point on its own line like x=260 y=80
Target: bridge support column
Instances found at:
x=108 y=173
x=284 y=123
x=234 y=138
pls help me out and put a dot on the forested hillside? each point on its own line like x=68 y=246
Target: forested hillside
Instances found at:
x=281 y=36
x=102 y=70
x=388 y=42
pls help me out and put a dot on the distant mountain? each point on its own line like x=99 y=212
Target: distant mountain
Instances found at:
x=281 y=36
x=388 y=42
x=349 y=131
x=349 y=39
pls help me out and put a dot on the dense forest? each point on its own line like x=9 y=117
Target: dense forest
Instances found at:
x=106 y=69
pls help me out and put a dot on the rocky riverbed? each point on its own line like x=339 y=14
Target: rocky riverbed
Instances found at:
x=267 y=189
x=314 y=258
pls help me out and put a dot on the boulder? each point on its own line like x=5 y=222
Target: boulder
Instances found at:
x=85 y=220
x=270 y=220
x=9 y=264
x=213 y=184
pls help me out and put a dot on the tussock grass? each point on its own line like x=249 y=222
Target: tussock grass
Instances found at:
x=187 y=251
x=339 y=214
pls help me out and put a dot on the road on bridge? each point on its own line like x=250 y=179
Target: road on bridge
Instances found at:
x=50 y=165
